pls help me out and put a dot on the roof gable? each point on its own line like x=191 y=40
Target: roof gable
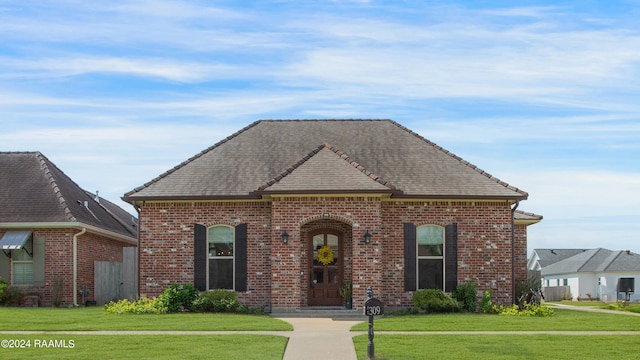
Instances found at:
x=326 y=169
x=36 y=191
x=241 y=164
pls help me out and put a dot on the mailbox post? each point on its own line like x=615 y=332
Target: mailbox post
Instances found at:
x=372 y=307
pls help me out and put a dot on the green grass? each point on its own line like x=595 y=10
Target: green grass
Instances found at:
x=563 y=320
x=96 y=318
x=529 y=347
x=635 y=307
x=228 y=347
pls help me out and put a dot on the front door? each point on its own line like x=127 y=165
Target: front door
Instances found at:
x=325 y=268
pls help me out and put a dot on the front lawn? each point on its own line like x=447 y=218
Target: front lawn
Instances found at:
x=96 y=318
x=529 y=347
x=228 y=347
x=563 y=320
x=509 y=345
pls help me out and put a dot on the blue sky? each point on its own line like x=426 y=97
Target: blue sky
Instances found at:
x=542 y=94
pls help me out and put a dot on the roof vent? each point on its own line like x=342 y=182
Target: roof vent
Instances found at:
x=97 y=199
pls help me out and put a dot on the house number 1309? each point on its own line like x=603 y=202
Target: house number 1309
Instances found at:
x=373 y=310
x=373 y=307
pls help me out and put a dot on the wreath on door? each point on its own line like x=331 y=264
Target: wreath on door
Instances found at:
x=325 y=255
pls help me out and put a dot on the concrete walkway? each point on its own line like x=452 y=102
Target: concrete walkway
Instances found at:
x=591 y=309
x=320 y=339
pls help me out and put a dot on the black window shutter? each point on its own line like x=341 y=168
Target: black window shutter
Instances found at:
x=451 y=257
x=240 y=254
x=410 y=257
x=200 y=257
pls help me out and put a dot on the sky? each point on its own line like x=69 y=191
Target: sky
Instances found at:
x=543 y=95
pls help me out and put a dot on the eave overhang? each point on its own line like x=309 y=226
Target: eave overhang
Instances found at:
x=70 y=225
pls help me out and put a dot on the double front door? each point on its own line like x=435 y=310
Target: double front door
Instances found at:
x=325 y=268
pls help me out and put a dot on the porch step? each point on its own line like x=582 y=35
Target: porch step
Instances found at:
x=319 y=312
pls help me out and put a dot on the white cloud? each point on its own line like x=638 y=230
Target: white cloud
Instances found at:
x=173 y=70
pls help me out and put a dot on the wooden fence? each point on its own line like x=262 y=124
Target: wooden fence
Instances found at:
x=556 y=293
x=115 y=281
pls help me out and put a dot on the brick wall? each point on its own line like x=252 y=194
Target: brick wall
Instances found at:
x=278 y=273
x=91 y=248
x=166 y=243
x=484 y=244
x=299 y=216
x=58 y=277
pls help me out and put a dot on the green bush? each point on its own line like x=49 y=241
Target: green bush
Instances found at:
x=143 y=305
x=3 y=285
x=217 y=301
x=466 y=294
x=486 y=305
x=434 y=301
x=11 y=295
x=179 y=297
x=526 y=310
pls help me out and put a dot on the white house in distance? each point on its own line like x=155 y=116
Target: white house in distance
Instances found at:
x=605 y=274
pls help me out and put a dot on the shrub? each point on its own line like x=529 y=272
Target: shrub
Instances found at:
x=179 y=297
x=3 y=285
x=527 y=310
x=466 y=295
x=143 y=305
x=216 y=301
x=434 y=301
x=11 y=295
x=486 y=305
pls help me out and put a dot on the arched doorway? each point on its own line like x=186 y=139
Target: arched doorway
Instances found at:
x=326 y=267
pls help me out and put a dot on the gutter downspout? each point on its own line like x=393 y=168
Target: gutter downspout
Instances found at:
x=138 y=209
x=75 y=265
x=513 y=252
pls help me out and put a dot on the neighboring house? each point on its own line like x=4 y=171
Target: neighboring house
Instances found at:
x=285 y=212
x=601 y=273
x=52 y=231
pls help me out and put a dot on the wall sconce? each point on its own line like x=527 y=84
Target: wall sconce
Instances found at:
x=367 y=237
x=285 y=237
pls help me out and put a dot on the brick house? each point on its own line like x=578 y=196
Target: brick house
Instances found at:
x=52 y=231
x=284 y=212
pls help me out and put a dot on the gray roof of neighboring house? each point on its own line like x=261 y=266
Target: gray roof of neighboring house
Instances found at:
x=324 y=156
x=34 y=190
x=547 y=257
x=593 y=260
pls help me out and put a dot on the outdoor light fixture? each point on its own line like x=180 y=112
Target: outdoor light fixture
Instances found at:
x=367 y=237
x=285 y=237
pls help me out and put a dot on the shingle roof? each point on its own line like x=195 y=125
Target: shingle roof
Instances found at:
x=292 y=156
x=34 y=190
x=547 y=257
x=595 y=260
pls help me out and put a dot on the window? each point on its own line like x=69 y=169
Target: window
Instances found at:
x=220 y=257
x=22 y=264
x=565 y=282
x=430 y=243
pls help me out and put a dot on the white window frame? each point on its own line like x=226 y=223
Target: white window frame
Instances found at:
x=29 y=261
x=232 y=258
x=418 y=257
